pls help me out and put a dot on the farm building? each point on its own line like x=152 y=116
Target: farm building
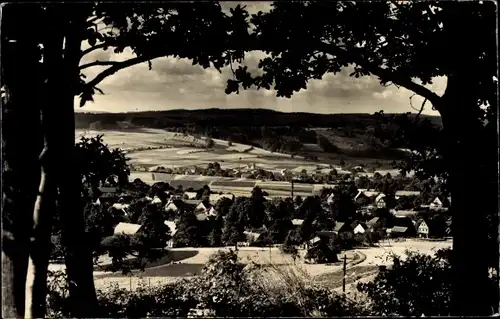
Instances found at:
x=127 y=229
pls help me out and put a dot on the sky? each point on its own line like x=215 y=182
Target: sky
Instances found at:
x=177 y=84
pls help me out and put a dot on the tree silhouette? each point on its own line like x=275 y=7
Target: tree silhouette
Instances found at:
x=406 y=45
x=149 y=31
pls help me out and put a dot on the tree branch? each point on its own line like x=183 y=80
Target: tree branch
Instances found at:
x=383 y=74
x=117 y=66
x=421 y=108
x=95 y=47
x=98 y=63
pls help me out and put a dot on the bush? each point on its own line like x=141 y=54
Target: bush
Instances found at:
x=225 y=287
x=419 y=285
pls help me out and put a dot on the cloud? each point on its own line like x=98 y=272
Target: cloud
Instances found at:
x=175 y=83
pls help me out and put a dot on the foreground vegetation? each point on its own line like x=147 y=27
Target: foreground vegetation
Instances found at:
x=414 y=286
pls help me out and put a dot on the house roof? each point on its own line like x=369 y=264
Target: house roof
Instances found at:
x=156 y=200
x=399 y=229
x=108 y=189
x=297 y=222
x=341 y=226
x=314 y=240
x=127 y=228
x=190 y=195
x=373 y=221
x=201 y=217
x=407 y=193
x=192 y=202
x=379 y=197
x=326 y=233
x=404 y=213
x=251 y=235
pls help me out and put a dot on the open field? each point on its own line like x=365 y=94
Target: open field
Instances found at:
x=189 y=261
x=152 y=147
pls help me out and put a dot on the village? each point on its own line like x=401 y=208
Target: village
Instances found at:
x=395 y=214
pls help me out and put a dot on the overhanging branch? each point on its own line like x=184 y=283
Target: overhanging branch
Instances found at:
x=98 y=63
x=95 y=47
x=117 y=66
x=383 y=74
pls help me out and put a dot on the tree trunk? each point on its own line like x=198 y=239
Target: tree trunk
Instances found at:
x=59 y=124
x=464 y=155
x=20 y=150
x=79 y=262
x=41 y=242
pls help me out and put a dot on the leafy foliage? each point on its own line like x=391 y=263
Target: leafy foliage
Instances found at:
x=99 y=165
x=415 y=286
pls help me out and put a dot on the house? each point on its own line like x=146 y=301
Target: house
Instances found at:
x=404 y=213
x=341 y=227
x=326 y=233
x=127 y=229
x=313 y=242
x=374 y=222
x=202 y=217
x=156 y=200
x=212 y=211
x=330 y=199
x=405 y=222
x=380 y=201
x=399 y=231
x=121 y=207
x=422 y=229
x=297 y=222
x=203 y=206
x=359 y=229
x=190 y=195
x=439 y=204
x=365 y=195
x=400 y=194
x=174 y=205
x=251 y=237
x=191 y=205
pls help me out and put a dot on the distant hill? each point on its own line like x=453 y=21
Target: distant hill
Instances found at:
x=229 y=118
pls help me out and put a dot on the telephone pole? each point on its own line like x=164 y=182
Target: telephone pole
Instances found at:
x=343 y=278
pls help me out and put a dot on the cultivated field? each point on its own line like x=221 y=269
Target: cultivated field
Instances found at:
x=153 y=147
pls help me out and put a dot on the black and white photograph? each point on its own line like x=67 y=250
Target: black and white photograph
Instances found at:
x=249 y=159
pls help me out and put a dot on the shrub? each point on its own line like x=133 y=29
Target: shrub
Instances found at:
x=225 y=287
x=419 y=285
